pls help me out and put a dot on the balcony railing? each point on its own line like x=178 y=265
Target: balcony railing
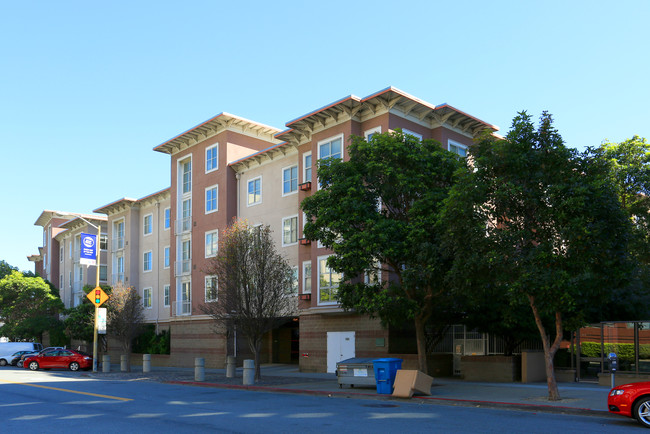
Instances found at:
x=183 y=307
x=183 y=225
x=182 y=268
x=117 y=244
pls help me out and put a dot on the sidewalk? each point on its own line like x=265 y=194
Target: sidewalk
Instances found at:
x=577 y=398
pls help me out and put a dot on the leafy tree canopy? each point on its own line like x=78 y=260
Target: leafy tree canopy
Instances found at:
x=379 y=213
x=541 y=225
x=27 y=306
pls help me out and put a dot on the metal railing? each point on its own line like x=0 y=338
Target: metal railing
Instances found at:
x=183 y=225
x=117 y=243
x=182 y=268
x=180 y=308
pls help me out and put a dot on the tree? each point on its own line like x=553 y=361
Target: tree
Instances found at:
x=125 y=315
x=543 y=226
x=6 y=269
x=27 y=306
x=379 y=214
x=255 y=285
x=629 y=174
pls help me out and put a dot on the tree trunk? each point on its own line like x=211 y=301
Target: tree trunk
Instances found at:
x=256 y=351
x=549 y=349
x=420 y=339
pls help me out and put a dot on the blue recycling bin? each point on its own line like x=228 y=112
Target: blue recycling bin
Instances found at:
x=385 y=372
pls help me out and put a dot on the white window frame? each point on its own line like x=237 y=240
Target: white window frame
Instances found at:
x=306 y=277
x=368 y=133
x=295 y=284
x=144 y=225
x=166 y=295
x=259 y=200
x=323 y=259
x=406 y=131
x=291 y=180
x=215 y=158
x=307 y=167
x=216 y=198
x=144 y=261
x=167 y=216
x=211 y=278
x=147 y=299
x=61 y=255
x=331 y=139
x=166 y=257
x=458 y=145
x=215 y=234
x=181 y=179
x=291 y=243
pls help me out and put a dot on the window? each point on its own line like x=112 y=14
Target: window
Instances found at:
x=166 y=257
x=457 y=148
x=146 y=261
x=186 y=171
x=212 y=158
x=328 y=282
x=371 y=132
x=211 y=288
x=289 y=180
x=166 y=295
x=167 y=218
x=289 y=230
x=306 y=277
x=211 y=202
x=211 y=243
x=293 y=289
x=147 y=224
x=103 y=242
x=372 y=275
x=412 y=133
x=103 y=273
x=146 y=298
x=254 y=191
x=70 y=249
x=306 y=167
x=118 y=235
x=331 y=148
x=61 y=281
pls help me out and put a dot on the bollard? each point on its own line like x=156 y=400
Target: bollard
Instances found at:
x=249 y=372
x=146 y=362
x=231 y=363
x=123 y=363
x=106 y=363
x=199 y=369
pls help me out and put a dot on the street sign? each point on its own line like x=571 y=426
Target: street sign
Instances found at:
x=88 y=249
x=97 y=296
x=101 y=321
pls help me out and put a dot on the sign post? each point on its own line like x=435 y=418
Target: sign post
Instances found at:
x=89 y=255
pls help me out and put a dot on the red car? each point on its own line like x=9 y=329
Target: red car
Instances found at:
x=631 y=400
x=61 y=358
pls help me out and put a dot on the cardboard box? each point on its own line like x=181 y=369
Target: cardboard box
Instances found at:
x=408 y=382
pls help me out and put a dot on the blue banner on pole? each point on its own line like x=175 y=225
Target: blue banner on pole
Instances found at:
x=88 y=249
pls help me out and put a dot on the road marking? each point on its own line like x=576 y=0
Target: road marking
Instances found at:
x=69 y=391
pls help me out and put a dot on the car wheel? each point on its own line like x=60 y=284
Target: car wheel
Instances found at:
x=74 y=366
x=642 y=411
x=3 y=362
x=33 y=366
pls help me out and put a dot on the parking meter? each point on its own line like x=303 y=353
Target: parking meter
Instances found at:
x=613 y=366
x=613 y=362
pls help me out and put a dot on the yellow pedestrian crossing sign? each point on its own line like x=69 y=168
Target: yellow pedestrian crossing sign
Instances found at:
x=97 y=296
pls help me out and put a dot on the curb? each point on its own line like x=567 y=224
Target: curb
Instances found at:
x=540 y=408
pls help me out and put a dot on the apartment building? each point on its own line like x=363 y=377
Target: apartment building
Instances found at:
x=229 y=167
x=203 y=203
x=51 y=262
x=73 y=275
x=138 y=241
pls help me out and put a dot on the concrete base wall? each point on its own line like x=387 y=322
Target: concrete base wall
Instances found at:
x=371 y=340
x=605 y=379
x=533 y=366
x=499 y=369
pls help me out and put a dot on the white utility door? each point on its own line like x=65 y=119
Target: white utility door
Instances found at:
x=340 y=346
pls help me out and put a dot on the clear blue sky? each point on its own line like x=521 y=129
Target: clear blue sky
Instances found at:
x=88 y=89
